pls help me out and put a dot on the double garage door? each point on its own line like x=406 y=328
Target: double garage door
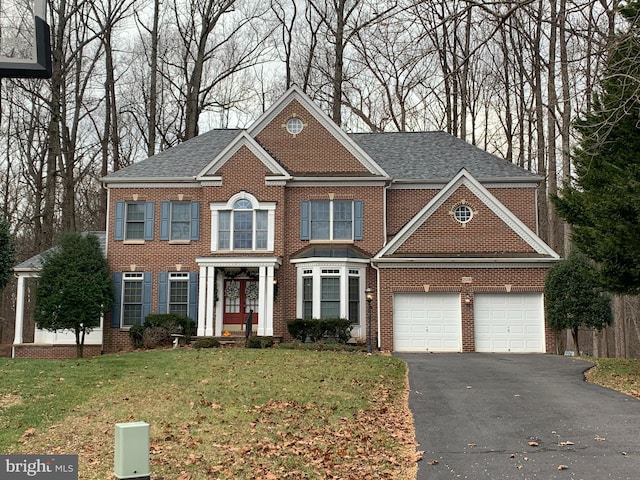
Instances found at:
x=432 y=322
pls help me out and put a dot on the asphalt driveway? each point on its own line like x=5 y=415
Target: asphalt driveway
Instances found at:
x=482 y=416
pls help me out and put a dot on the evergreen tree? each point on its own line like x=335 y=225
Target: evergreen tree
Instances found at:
x=603 y=202
x=574 y=297
x=74 y=287
x=7 y=254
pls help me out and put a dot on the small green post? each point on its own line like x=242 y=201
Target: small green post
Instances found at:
x=131 y=455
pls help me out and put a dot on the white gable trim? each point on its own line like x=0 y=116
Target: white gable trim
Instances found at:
x=295 y=93
x=243 y=140
x=465 y=178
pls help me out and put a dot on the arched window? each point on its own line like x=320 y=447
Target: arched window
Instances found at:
x=242 y=224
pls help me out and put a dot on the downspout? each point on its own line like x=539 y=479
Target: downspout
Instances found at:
x=373 y=265
x=377 y=269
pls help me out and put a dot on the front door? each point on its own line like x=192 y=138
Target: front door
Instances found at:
x=240 y=297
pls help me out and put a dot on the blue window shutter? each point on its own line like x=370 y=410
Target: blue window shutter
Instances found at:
x=146 y=294
x=148 y=220
x=118 y=229
x=192 y=313
x=358 y=219
x=163 y=285
x=116 y=308
x=195 y=221
x=304 y=220
x=164 y=220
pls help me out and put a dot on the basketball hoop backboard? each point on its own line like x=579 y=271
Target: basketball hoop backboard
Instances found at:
x=25 y=44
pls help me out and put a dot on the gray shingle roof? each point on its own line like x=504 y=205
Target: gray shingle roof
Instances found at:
x=419 y=156
x=35 y=263
x=184 y=161
x=434 y=156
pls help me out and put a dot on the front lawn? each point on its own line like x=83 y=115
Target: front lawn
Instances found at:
x=217 y=414
x=622 y=374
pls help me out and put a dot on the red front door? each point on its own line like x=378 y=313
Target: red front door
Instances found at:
x=240 y=296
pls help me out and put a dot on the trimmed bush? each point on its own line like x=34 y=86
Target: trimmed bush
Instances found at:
x=315 y=330
x=206 y=343
x=297 y=328
x=259 y=342
x=338 y=329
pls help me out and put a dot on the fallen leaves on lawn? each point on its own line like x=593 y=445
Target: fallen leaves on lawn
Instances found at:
x=279 y=443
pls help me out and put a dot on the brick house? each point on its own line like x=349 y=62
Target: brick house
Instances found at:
x=293 y=217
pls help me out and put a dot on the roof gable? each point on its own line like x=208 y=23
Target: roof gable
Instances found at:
x=320 y=138
x=465 y=180
x=211 y=171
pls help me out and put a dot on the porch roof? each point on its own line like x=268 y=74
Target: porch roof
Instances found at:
x=331 y=251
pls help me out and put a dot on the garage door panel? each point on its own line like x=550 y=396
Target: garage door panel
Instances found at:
x=427 y=322
x=509 y=323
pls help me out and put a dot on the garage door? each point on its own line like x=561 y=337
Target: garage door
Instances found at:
x=511 y=322
x=427 y=322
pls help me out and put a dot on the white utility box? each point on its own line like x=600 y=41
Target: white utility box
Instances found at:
x=131 y=455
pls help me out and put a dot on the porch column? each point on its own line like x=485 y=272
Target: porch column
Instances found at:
x=211 y=278
x=265 y=302
x=219 y=309
x=268 y=316
x=262 y=294
x=19 y=324
x=204 y=310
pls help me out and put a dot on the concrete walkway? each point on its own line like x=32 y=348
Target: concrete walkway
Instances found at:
x=482 y=416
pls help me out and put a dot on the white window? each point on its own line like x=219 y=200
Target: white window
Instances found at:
x=132 y=299
x=179 y=293
x=134 y=229
x=180 y=220
x=333 y=292
x=294 y=125
x=242 y=223
x=463 y=213
x=332 y=220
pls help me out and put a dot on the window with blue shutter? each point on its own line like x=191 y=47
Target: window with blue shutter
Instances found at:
x=331 y=220
x=134 y=221
x=179 y=221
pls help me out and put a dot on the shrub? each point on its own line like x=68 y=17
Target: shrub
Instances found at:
x=297 y=328
x=157 y=329
x=135 y=334
x=172 y=322
x=315 y=330
x=259 y=342
x=338 y=329
x=154 y=337
x=206 y=343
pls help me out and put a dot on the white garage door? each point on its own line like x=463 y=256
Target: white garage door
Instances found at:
x=427 y=322
x=509 y=322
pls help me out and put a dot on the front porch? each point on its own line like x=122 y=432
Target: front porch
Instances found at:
x=230 y=289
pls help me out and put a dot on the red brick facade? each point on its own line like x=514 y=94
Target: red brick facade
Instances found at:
x=323 y=166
